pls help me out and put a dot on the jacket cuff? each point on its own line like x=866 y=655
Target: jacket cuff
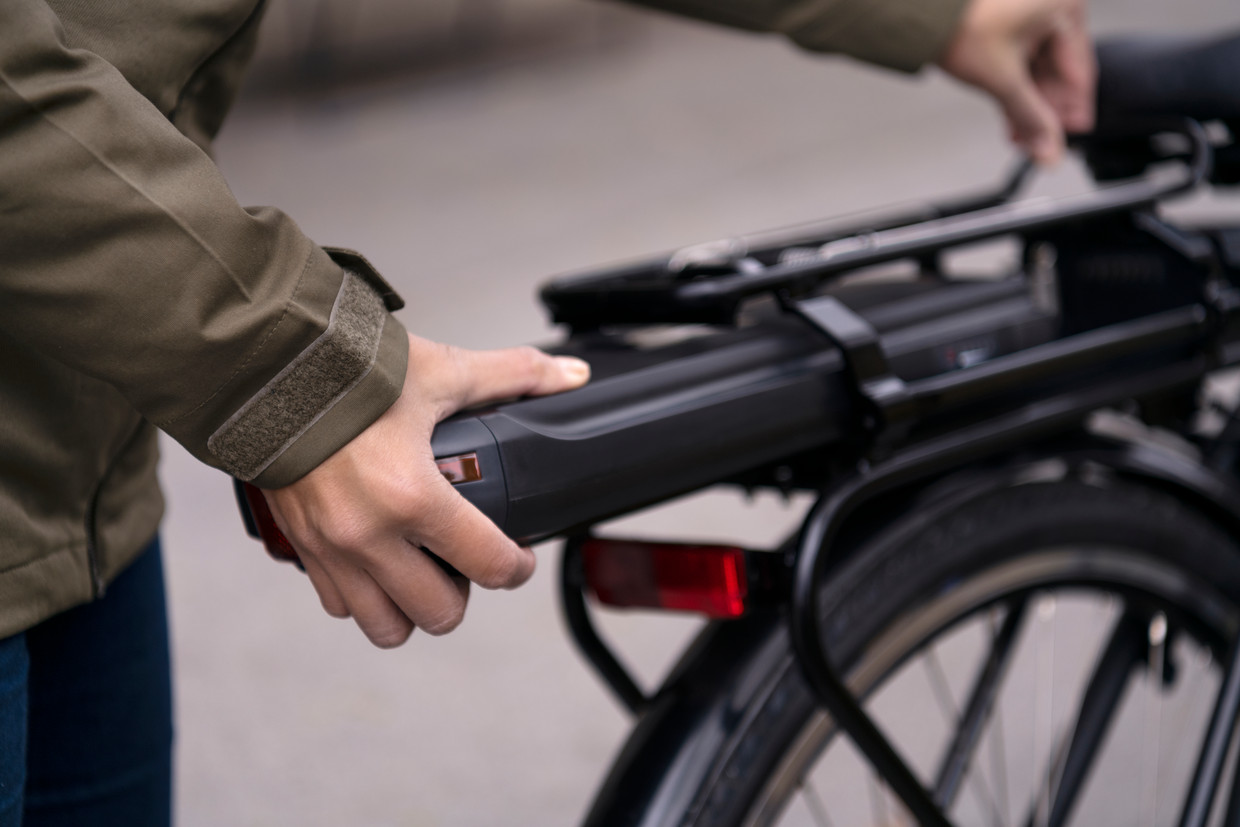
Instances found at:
x=898 y=34
x=327 y=394
x=348 y=416
x=355 y=262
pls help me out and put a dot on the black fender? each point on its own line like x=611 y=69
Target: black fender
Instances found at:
x=1212 y=492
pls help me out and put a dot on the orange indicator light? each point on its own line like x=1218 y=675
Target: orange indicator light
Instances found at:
x=456 y=470
x=459 y=469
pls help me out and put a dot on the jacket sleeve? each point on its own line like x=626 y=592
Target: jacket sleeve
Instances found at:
x=124 y=256
x=898 y=34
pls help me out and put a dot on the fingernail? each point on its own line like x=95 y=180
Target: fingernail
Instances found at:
x=574 y=368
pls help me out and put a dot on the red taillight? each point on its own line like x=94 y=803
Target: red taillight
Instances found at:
x=273 y=538
x=694 y=578
x=260 y=524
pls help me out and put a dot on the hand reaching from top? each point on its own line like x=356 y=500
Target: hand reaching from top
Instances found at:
x=1036 y=59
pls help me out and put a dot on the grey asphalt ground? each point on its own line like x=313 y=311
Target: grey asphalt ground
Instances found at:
x=468 y=186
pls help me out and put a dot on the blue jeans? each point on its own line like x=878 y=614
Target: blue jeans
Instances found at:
x=86 y=711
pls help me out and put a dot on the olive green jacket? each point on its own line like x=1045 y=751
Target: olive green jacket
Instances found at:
x=136 y=293
x=898 y=34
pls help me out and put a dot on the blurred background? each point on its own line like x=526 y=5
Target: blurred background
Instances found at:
x=471 y=150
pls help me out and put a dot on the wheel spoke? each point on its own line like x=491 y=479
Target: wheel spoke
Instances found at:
x=951 y=715
x=1123 y=650
x=982 y=696
x=1044 y=704
x=815 y=804
x=1214 y=751
x=998 y=764
x=1182 y=727
x=878 y=801
x=1231 y=817
x=939 y=684
x=1151 y=735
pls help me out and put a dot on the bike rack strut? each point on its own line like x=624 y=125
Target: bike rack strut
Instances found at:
x=595 y=650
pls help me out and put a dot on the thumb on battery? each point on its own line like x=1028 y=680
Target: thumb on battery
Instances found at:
x=453 y=378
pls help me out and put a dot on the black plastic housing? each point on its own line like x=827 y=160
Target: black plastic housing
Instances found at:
x=657 y=421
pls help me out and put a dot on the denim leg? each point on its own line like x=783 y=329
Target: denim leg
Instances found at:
x=100 y=725
x=14 y=668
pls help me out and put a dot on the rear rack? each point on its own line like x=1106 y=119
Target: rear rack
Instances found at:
x=708 y=283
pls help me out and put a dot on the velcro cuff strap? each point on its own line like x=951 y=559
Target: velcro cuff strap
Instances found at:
x=298 y=396
x=355 y=261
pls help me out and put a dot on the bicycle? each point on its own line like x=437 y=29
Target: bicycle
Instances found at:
x=969 y=488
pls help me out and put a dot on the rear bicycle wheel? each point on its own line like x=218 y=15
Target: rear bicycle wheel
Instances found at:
x=1044 y=653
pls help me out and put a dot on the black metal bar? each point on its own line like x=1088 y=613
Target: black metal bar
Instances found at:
x=771 y=242
x=861 y=345
x=895 y=402
x=1214 y=751
x=1124 y=648
x=655 y=291
x=596 y=652
x=835 y=697
x=1091 y=347
x=977 y=710
x=927 y=237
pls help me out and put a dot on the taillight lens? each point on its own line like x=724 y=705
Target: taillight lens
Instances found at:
x=263 y=526
x=712 y=580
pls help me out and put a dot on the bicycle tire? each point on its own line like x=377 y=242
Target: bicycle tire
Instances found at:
x=962 y=553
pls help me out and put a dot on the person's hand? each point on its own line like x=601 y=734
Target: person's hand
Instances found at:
x=1036 y=58
x=358 y=520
